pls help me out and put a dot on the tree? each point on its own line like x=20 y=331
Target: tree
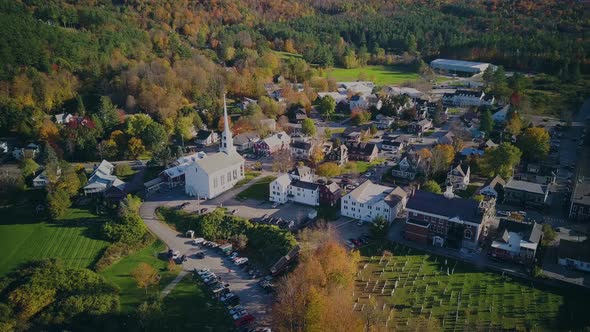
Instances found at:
x=48 y=131
x=135 y=148
x=239 y=241
x=317 y=154
x=432 y=187
x=379 y=227
x=122 y=170
x=486 y=122
x=137 y=123
x=549 y=234
x=534 y=143
x=327 y=106
x=308 y=127
x=514 y=124
x=28 y=167
x=282 y=161
x=58 y=201
x=500 y=160
x=328 y=170
x=442 y=157
x=145 y=276
x=108 y=114
x=154 y=136
x=107 y=149
x=69 y=179
x=184 y=127
x=359 y=116
x=373 y=129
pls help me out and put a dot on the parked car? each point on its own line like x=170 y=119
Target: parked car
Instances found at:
x=248 y=319
x=239 y=314
x=198 y=241
x=275 y=205
x=227 y=297
x=236 y=309
x=200 y=255
x=176 y=255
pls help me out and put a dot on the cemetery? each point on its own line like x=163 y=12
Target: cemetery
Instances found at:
x=412 y=290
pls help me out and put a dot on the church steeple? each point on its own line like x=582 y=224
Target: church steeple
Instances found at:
x=227 y=142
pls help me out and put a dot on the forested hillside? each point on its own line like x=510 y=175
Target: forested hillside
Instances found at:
x=160 y=57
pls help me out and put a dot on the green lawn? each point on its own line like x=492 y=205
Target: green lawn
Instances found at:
x=464 y=298
x=258 y=190
x=189 y=307
x=469 y=192
x=287 y=55
x=120 y=274
x=24 y=237
x=380 y=75
x=248 y=177
x=361 y=166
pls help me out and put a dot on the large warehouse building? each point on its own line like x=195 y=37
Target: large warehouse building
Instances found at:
x=459 y=67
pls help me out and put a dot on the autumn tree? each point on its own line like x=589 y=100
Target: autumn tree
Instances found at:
x=48 y=131
x=137 y=123
x=308 y=127
x=500 y=160
x=317 y=154
x=28 y=167
x=328 y=170
x=135 y=148
x=145 y=276
x=107 y=149
x=108 y=114
x=514 y=124
x=534 y=143
x=442 y=157
x=359 y=116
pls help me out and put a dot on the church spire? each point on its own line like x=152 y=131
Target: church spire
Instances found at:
x=227 y=142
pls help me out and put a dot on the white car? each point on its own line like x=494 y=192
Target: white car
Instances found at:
x=236 y=309
x=226 y=297
x=198 y=241
x=275 y=205
x=176 y=255
x=203 y=272
x=239 y=315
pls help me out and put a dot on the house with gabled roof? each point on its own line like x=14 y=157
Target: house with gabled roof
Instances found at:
x=206 y=137
x=517 y=241
x=295 y=186
x=102 y=181
x=272 y=144
x=524 y=193
x=363 y=151
x=338 y=155
x=493 y=188
x=370 y=200
x=245 y=141
x=459 y=176
x=406 y=169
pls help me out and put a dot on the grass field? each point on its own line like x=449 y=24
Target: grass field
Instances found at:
x=120 y=274
x=411 y=287
x=25 y=237
x=248 y=177
x=361 y=166
x=190 y=308
x=258 y=190
x=380 y=75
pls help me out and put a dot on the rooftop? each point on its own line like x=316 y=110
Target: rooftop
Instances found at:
x=218 y=161
x=530 y=187
x=465 y=209
x=575 y=250
x=581 y=193
x=371 y=193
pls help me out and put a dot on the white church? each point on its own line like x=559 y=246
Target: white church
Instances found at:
x=213 y=174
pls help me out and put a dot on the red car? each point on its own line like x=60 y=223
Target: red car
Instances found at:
x=245 y=320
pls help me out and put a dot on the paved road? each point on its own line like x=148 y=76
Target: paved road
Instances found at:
x=251 y=294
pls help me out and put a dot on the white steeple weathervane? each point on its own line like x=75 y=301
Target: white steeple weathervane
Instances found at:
x=227 y=142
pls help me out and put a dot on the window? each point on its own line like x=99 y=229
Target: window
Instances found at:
x=468 y=234
x=362 y=205
x=345 y=207
x=228 y=176
x=215 y=183
x=235 y=174
x=426 y=218
x=222 y=179
x=378 y=208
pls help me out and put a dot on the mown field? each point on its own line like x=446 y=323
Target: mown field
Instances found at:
x=120 y=274
x=258 y=190
x=380 y=75
x=24 y=237
x=418 y=290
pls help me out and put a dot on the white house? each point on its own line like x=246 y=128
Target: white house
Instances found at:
x=370 y=200
x=466 y=98
x=63 y=118
x=245 y=141
x=365 y=101
x=338 y=96
x=574 y=254
x=216 y=173
x=392 y=145
x=295 y=186
x=459 y=176
x=206 y=137
x=41 y=180
x=102 y=179
x=384 y=122
x=3 y=147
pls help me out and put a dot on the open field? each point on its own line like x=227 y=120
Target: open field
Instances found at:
x=120 y=274
x=380 y=75
x=361 y=166
x=247 y=178
x=418 y=290
x=24 y=237
x=258 y=190
x=287 y=55
x=190 y=308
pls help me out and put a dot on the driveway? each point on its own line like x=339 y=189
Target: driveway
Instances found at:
x=252 y=296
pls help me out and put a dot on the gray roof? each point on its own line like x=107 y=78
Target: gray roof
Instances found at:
x=575 y=250
x=530 y=187
x=581 y=193
x=204 y=134
x=466 y=209
x=305 y=185
x=245 y=138
x=371 y=193
x=497 y=180
x=218 y=161
x=300 y=171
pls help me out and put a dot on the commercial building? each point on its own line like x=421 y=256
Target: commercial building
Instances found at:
x=525 y=193
x=296 y=186
x=459 y=67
